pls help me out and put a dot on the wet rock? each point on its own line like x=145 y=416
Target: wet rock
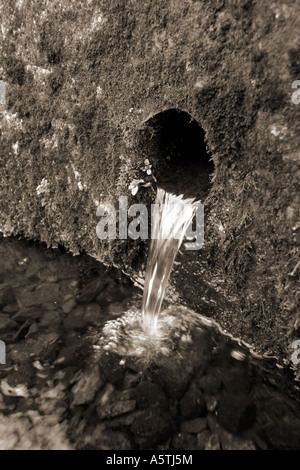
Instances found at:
x=236 y=412
x=151 y=427
x=76 y=319
x=148 y=393
x=194 y=426
x=211 y=382
x=28 y=313
x=7 y=296
x=87 y=386
x=68 y=305
x=110 y=410
x=213 y=443
x=203 y=439
x=184 y=441
x=89 y=292
x=192 y=403
x=93 y=314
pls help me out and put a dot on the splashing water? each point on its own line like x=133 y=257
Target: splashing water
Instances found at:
x=170 y=218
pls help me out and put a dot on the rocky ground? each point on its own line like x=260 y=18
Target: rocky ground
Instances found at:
x=62 y=389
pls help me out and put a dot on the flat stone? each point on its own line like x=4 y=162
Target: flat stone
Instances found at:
x=86 y=387
x=110 y=410
x=194 y=426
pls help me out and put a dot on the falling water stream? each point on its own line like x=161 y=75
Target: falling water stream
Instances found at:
x=170 y=218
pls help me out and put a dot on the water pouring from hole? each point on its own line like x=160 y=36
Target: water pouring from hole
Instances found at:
x=170 y=218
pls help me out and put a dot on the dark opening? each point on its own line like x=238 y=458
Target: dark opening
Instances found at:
x=175 y=144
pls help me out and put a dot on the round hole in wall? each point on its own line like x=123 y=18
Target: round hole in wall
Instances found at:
x=174 y=143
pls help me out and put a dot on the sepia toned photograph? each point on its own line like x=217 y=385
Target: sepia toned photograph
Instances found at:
x=149 y=228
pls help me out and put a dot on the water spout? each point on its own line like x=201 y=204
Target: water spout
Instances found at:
x=171 y=215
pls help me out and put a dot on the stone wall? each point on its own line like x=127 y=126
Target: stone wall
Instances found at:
x=83 y=78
